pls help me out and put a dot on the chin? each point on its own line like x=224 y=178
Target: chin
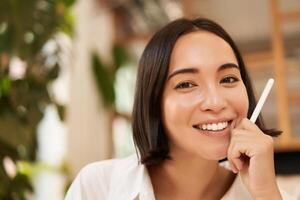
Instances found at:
x=219 y=154
x=213 y=154
x=221 y=157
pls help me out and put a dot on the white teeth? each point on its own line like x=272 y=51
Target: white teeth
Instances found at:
x=209 y=126
x=220 y=126
x=213 y=126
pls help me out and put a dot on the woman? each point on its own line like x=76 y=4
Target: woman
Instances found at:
x=193 y=98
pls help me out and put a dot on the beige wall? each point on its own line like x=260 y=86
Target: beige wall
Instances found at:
x=88 y=129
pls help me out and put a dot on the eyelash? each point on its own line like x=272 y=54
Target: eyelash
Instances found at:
x=185 y=85
x=230 y=79
x=226 y=80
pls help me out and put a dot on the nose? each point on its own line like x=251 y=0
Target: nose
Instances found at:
x=213 y=101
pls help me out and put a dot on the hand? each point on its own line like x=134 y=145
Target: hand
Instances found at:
x=251 y=154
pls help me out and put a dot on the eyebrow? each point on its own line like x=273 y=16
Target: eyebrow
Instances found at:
x=195 y=70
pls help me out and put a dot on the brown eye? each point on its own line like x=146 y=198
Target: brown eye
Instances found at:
x=229 y=79
x=184 y=85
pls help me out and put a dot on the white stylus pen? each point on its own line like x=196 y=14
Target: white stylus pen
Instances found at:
x=262 y=100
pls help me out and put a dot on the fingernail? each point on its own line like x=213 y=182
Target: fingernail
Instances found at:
x=234 y=170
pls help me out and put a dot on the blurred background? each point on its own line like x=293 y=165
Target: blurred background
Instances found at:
x=67 y=78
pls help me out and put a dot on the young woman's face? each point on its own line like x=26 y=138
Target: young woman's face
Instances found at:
x=204 y=96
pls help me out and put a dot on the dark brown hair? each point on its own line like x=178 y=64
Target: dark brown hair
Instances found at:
x=149 y=135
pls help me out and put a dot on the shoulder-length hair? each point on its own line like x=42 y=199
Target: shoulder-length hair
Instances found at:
x=149 y=135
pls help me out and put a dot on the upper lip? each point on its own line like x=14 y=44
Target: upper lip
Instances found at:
x=214 y=121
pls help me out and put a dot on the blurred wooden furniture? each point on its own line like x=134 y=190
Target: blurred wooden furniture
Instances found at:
x=276 y=57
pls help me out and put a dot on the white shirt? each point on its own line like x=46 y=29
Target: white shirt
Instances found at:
x=126 y=179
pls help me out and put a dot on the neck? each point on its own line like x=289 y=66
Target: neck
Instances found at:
x=193 y=176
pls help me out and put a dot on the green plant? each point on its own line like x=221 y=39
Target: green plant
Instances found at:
x=105 y=77
x=25 y=73
x=105 y=74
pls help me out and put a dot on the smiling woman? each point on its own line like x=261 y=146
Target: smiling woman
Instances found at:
x=204 y=98
x=193 y=97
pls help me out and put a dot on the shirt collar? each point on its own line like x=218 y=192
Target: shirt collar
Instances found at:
x=130 y=180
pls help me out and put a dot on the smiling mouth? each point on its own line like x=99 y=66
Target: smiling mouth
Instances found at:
x=218 y=126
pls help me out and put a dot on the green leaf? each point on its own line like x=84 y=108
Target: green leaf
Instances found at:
x=68 y=3
x=120 y=56
x=67 y=21
x=5 y=85
x=104 y=81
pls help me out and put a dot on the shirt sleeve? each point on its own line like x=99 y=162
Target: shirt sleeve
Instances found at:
x=286 y=196
x=76 y=190
x=89 y=184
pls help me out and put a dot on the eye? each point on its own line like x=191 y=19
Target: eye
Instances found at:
x=229 y=80
x=184 y=85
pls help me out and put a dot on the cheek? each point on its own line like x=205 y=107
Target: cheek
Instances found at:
x=177 y=108
x=240 y=101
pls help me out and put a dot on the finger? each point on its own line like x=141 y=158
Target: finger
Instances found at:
x=242 y=162
x=237 y=154
x=231 y=156
x=240 y=140
x=244 y=136
x=239 y=163
x=232 y=167
x=243 y=144
x=246 y=124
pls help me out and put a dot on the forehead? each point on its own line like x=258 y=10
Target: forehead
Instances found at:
x=201 y=48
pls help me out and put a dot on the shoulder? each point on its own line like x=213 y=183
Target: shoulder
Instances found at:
x=97 y=169
x=94 y=180
x=103 y=171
